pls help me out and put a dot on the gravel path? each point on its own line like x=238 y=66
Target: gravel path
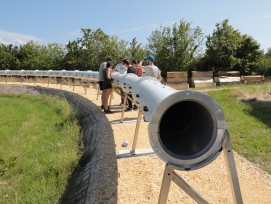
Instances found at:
x=137 y=179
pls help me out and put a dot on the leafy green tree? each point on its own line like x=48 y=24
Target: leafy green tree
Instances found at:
x=176 y=48
x=55 y=56
x=248 y=55
x=268 y=53
x=136 y=50
x=227 y=49
x=72 y=58
x=93 y=48
x=264 y=66
x=9 y=57
x=28 y=55
x=115 y=49
x=93 y=45
x=34 y=56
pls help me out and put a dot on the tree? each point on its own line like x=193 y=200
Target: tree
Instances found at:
x=34 y=56
x=176 y=47
x=136 y=51
x=264 y=66
x=268 y=53
x=72 y=59
x=28 y=55
x=249 y=54
x=9 y=57
x=93 y=48
x=228 y=50
x=86 y=52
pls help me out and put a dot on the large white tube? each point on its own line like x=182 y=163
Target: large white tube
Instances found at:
x=88 y=75
x=186 y=128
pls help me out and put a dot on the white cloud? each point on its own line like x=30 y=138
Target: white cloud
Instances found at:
x=263 y=17
x=138 y=28
x=266 y=16
x=147 y=27
x=74 y=33
x=7 y=37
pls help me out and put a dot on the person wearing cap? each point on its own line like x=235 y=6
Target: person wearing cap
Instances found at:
x=150 y=69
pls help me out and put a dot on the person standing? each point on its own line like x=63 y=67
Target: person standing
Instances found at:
x=151 y=69
x=123 y=70
x=120 y=68
x=130 y=69
x=102 y=67
x=137 y=67
x=107 y=86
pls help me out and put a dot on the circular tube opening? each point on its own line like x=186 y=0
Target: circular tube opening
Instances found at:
x=186 y=130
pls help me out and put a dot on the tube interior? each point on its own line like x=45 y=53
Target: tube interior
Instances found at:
x=186 y=130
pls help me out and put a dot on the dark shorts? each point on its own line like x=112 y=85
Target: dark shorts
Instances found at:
x=101 y=85
x=107 y=85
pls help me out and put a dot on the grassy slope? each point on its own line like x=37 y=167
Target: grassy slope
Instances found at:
x=249 y=123
x=38 y=148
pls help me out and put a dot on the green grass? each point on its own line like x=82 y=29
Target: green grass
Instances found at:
x=248 y=121
x=39 y=138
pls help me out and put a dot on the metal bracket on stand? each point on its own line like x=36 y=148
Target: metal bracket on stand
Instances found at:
x=134 y=151
x=111 y=96
x=98 y=91
x=171 y=175
x=24 y=78
x=49 y=78
x=136 y=131
x=85 y=85
x=124 y=106
x=8 y=76
x=36 y=79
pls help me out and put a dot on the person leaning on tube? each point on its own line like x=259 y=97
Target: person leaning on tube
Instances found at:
x=132 y=70
x=107 y=86
x=123 y=70
x=102 y=67
x=138 y=69
x=151 y=69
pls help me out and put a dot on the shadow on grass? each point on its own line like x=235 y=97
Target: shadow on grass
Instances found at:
x=260 y=110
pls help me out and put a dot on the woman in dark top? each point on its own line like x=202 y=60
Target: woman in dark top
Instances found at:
x=107 y=86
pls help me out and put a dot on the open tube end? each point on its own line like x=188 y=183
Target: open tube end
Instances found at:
x=185 y=130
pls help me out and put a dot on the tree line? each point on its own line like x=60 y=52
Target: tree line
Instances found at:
x=179 y=47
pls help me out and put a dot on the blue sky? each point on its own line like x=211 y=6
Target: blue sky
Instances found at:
x=59 y=21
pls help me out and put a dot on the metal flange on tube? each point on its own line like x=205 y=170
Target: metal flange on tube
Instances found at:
x=186 y=128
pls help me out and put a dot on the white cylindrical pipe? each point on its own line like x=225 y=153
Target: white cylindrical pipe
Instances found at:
x=186 y=128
